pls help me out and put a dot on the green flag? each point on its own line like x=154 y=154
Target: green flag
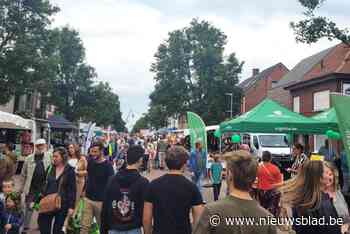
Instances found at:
x=197 y=130
x=341 y=105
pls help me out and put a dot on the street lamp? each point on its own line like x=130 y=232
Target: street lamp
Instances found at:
x=231 y=109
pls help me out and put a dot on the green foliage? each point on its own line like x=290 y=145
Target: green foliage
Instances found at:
x=313 y=28
x=311 y=4
x=191 y=74
x=23 y=28
x=141 y=123
x=157 y=116
x=51 y=62
x=73 y=79
x=102 y=106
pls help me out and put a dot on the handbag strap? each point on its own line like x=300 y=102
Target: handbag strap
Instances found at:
x=49 y=170
x=267 y=170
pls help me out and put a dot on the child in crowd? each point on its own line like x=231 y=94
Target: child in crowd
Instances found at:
x=7 y=188
x=12 y=217
x=216 y=176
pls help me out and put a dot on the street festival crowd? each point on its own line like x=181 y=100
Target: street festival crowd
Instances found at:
x=106 y=190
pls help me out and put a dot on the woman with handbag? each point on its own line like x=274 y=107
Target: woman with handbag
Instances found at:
x=269 y=179
x=59 y=194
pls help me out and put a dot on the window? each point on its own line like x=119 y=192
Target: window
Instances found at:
x=321 y=100
x=243 y=105
x=274 y=84
x=38 y=101
x=256 y=142
x=29 y=102
x=296 y=104
x=346 y=88
x=319 y=142
x=274 y=141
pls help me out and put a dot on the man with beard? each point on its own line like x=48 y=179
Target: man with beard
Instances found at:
x=99 y=170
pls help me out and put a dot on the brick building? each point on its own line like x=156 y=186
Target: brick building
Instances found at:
x=306 y=88
x=256 y=88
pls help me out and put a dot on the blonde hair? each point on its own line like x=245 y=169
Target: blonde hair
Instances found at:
x=335 y=172
x=304 y=191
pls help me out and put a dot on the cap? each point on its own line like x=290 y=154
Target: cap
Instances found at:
x=40 y=142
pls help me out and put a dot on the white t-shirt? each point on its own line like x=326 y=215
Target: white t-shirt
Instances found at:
x=73 y=162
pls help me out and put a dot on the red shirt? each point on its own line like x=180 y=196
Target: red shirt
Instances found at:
x=268 y=175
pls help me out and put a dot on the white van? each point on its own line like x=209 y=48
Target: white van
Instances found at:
x=276 y=144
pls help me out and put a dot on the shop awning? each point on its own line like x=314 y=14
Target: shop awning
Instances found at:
x=271 y=117
x=11 y=121
x=59 y=122
x=328 y=116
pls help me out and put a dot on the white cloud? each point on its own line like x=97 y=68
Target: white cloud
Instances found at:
x=121 y=36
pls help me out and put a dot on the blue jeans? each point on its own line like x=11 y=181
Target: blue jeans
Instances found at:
x=133 y=231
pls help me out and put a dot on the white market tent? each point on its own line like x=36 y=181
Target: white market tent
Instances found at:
x=11 y=121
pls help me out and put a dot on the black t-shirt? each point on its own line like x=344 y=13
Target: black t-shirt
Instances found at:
x=172 y=197
x=123 y=205
x=98 y=175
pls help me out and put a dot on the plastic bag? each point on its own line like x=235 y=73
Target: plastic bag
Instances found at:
x=74 y=223
x=94 y=229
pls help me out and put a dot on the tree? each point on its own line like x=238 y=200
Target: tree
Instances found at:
x=172 y=75
x=103 y=107
x=314 y=27
x=71 y=84
x=23 y=30
x=192 y=74
x=141 y=123
x=157 y=116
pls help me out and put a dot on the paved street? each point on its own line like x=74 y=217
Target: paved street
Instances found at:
x=208 y=196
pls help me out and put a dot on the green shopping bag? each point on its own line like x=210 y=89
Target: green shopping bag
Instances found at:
x=94 y=228
x=74 y=223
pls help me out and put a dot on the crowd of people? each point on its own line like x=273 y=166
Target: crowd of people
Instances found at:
x=107 y=190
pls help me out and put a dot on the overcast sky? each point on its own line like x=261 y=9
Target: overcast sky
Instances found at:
x=121 y=36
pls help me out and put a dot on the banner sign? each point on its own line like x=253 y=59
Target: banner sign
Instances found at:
x=197 y=130
x=341 y=105
x=89 y=136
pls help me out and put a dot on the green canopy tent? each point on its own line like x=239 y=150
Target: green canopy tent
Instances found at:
x=271 y=117
x=328 y=116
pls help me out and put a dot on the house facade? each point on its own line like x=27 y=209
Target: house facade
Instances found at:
x=256 y=88
x=307 y=87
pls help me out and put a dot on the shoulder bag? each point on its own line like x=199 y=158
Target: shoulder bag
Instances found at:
x=52 y=202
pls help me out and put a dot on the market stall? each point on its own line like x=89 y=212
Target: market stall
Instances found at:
x=271 y=117
x=62 y=131
x=328 y=116
x=10 y=127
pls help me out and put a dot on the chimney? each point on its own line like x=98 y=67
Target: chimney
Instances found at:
x=255 y=71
